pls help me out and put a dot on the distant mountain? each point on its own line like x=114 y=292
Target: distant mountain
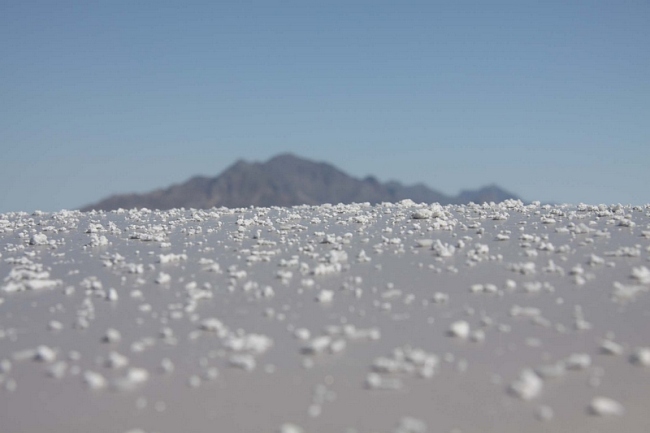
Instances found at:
x=287 y=180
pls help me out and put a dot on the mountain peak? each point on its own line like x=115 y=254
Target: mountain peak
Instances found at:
x=288 y=180
x=285 y=157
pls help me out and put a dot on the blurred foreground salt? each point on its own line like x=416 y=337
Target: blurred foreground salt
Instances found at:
x=349 y=318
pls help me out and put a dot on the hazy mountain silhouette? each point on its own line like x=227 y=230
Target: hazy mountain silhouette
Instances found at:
x=287 y=180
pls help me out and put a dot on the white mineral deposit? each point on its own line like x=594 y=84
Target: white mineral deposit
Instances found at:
x=361 y=318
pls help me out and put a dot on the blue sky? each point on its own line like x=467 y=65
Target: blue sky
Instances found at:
x=550 y=100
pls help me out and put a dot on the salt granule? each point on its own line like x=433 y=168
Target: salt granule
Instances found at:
x=641 y=357
x=603 y=406
x=527 y=386
x=459 y=329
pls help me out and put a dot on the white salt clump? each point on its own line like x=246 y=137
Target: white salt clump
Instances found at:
x=38 y=239
x=443 y=250
x=302 y=334
x=163 y=278
x=112 y=336
x=55 y=325
x=424 y=243
x=641 y=274
x=459 y=329
x=625 y=293
x=325 y=296
x=641 y=357
x=551 y=371
x=289 y=428
x=94 y=380
x=595 y=260
x=527 y=386
x=337 y=346
x=478 y=336
x=609 y=347
x=363 y=257
x=253 y=343
x=98 y=240
x=111 y=295
x=483 y=288
x=440 y=298
x=116 y=361
x=517 y=311
x=603 y=406
x=578 y=361
x=171 y=258
x=166 y=365
x=411 y=425
x=327 y=269
x=526 y=268
x=133 y=378
x=213 y=325
x=44 y=354
x=244 y=361
x=375 y=381
x=57 y=370
x=337 y=256
x=317 y=345
x=422 y=214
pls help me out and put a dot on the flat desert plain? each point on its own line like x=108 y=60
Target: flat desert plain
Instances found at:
x=358 y=318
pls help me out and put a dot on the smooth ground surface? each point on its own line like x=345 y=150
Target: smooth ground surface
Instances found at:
x=350 y=318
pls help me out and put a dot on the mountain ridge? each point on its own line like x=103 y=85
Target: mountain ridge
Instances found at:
x=287 y=180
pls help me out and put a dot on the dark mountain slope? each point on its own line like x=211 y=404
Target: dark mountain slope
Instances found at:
x=287 y=180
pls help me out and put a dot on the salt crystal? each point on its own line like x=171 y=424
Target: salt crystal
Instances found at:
x=337 y=346
x=302 y=334
x=527 y=386
x=163 y=278
x=290 y=428
x=411 y=425
x=44 y=354
x=609 y=347
x=641 y=274
x=440 y=298
x=375 y=381
x=478 y=336
x=134 y=377
x=112 y=295
x=57 y=370
x=115 y=360
x=641 y=357
x=578 y=361
x=38 y=239
x=317 y=345
x=213 y=325
x=603 y=406
x=325 y=296
x=551 y=371
x=166 y=365
x=94 y=380
x=459 y=329
x=422 y=214
x=55 y=326
x=244 y=361
x=112 y=336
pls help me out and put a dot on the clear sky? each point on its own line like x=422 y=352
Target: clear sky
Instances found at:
x=550 y=100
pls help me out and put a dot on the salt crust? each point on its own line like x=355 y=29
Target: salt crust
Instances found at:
x=312 y=268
